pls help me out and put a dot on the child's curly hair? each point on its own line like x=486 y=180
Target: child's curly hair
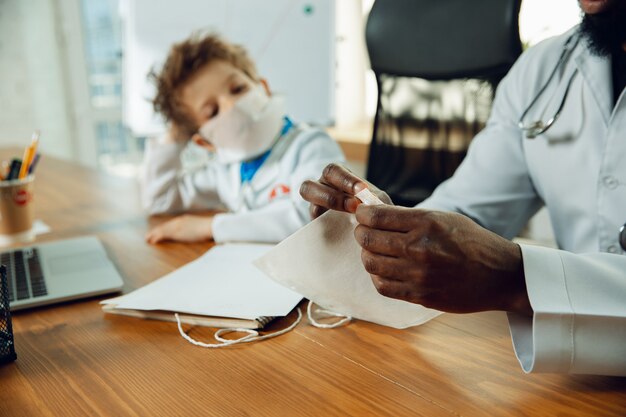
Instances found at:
x=183 y=62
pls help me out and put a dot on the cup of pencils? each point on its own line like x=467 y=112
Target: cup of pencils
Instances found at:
x=16 y=197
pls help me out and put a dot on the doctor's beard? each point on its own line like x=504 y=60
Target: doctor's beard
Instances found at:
x=605 y=32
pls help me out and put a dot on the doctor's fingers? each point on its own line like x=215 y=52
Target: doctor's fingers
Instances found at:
x=391 y=268
x=315 y=211
x=382 y=242
x=326 y=197
x=339 y=177
x=400 y=290
x=392 y=218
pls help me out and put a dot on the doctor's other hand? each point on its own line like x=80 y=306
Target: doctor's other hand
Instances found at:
x=185 y=228
x=335 y=190
x=440 y=260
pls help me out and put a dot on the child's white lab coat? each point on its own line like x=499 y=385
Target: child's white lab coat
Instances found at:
x=266 y=209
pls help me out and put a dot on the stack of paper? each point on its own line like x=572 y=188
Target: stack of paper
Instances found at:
x=221 y=288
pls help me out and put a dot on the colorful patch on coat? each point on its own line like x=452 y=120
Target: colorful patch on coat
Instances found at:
x=279 y=191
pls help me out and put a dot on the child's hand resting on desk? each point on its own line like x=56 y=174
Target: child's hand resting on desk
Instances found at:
x=185 y=228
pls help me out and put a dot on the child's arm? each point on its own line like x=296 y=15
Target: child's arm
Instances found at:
x=166 y=189
x=185 y=228
x=269 y=224
x=307 y=156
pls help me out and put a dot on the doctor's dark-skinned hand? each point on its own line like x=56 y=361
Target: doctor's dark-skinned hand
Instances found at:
x=335 y=190
x=441 y=260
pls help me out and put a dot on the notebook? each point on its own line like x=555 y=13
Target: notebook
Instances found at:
x=220 y=289
x=191 y=319
x=58 y=271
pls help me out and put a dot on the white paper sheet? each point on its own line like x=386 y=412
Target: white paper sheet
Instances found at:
x=223 y=282
x=40 y=227
x=322 y=261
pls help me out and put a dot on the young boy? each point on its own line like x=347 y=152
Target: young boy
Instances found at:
x=209 y=92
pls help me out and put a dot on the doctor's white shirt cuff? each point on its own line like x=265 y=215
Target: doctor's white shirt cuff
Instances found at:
x=544 y=342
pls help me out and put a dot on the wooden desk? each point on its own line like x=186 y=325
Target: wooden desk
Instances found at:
x=73 y=360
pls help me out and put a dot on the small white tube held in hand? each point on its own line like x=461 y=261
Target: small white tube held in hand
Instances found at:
x=367 y=197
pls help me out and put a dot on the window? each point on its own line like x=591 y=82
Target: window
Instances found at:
x=117 y=151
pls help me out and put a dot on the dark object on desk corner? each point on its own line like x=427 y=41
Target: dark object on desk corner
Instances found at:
x=7 y=345
x=413 y=46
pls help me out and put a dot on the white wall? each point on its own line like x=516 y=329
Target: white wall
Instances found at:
x=352 y=62
x=541 y=19
x=33 y=91
x=291 y=42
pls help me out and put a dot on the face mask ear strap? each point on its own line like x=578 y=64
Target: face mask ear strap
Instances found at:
x=320 y=311
x=202 y=142
x=251 y=336
x=266 y=86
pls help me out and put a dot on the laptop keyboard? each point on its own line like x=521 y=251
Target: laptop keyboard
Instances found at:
x=24 y=273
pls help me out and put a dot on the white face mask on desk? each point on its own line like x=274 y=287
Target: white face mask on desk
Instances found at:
x=248 y=129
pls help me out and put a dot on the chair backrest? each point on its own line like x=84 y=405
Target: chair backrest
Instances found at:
x=435 y=40
x=443 y=39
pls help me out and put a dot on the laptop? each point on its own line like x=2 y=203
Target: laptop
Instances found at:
x=58 y=271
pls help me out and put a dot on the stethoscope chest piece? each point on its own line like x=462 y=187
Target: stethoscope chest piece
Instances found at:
x=535 y=128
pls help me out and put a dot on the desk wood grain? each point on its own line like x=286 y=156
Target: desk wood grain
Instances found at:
x=73 y=360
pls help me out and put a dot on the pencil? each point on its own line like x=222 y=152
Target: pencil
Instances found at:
x=29 y=154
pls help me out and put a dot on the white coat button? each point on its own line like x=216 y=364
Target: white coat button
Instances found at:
x=610 y=182
x=612 y=249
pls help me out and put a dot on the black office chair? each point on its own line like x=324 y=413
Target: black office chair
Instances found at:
x=412 y=43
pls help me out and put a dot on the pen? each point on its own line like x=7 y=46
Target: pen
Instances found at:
x=33 y=165
x=14 y=171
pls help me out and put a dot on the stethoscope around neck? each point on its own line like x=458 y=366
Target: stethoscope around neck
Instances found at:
x=537 y=127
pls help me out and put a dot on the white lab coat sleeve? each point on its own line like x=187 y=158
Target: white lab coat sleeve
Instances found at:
x=268 y=224
x=279 y=219
x=492 y=185
x=579 y=321
x=164 y=186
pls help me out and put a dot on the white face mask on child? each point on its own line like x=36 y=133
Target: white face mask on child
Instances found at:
x=248 y=129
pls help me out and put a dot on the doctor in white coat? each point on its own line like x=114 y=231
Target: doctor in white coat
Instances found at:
x=566 y=306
